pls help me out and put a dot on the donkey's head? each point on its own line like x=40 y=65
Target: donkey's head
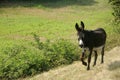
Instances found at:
x=80 y=33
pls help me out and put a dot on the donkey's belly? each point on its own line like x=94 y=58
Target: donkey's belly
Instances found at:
x=98 y=48
x=94 y=48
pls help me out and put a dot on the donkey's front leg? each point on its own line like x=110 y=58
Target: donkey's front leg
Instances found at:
x=89 y=59
x=82 y=58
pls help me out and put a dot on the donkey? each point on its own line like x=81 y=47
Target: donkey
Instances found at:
x=91 y=40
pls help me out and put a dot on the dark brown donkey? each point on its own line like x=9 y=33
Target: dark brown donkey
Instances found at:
x=91 y=40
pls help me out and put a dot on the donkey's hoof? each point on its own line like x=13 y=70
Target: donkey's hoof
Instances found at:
x=94 y=65
x=84 y=63
x=88 y=68
x=102 y=62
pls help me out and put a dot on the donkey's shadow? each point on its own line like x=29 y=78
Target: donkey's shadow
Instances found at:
x=114 y=65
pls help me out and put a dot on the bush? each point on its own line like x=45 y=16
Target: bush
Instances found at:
x=58 y=52
x=20 y=61
x=116 y=8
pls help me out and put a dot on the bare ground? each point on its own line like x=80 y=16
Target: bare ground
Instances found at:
x=110 y=70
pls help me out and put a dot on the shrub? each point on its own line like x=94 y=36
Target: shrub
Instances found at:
x=59 y=52
x=116 y=10
x=25 y=62
x=21 y=61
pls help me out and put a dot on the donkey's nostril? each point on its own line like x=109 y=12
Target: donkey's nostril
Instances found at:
x=81 y=46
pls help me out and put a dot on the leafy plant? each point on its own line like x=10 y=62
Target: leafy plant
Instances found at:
x=116 y=10
x=19 y=61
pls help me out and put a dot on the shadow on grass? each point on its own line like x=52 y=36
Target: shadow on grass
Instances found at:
x=114 y=65
x=44 y=3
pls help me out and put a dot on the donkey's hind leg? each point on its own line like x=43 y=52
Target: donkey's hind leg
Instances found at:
x=102 y=55
x=96 y=55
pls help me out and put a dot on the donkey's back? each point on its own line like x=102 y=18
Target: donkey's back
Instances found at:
x=98 y=37
x=100 y=31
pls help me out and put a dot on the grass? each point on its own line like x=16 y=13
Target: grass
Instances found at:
x=48 y=3
x=53 y=20
x=18 y=23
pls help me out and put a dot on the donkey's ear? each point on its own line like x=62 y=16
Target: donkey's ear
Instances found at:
x=77 y=27
x=82 y=25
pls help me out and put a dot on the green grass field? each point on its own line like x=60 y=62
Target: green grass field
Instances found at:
x=49 y=21
x=53 y=21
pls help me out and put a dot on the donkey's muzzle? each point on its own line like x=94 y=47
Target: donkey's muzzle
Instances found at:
x=81 y=46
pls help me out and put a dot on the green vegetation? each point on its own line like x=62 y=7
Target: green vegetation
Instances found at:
x=116 y=7
x=23 y=55
x=116 y=13
x=20 y=61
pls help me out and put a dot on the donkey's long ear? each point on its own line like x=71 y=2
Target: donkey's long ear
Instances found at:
x=77 y=27
x=82 y=25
